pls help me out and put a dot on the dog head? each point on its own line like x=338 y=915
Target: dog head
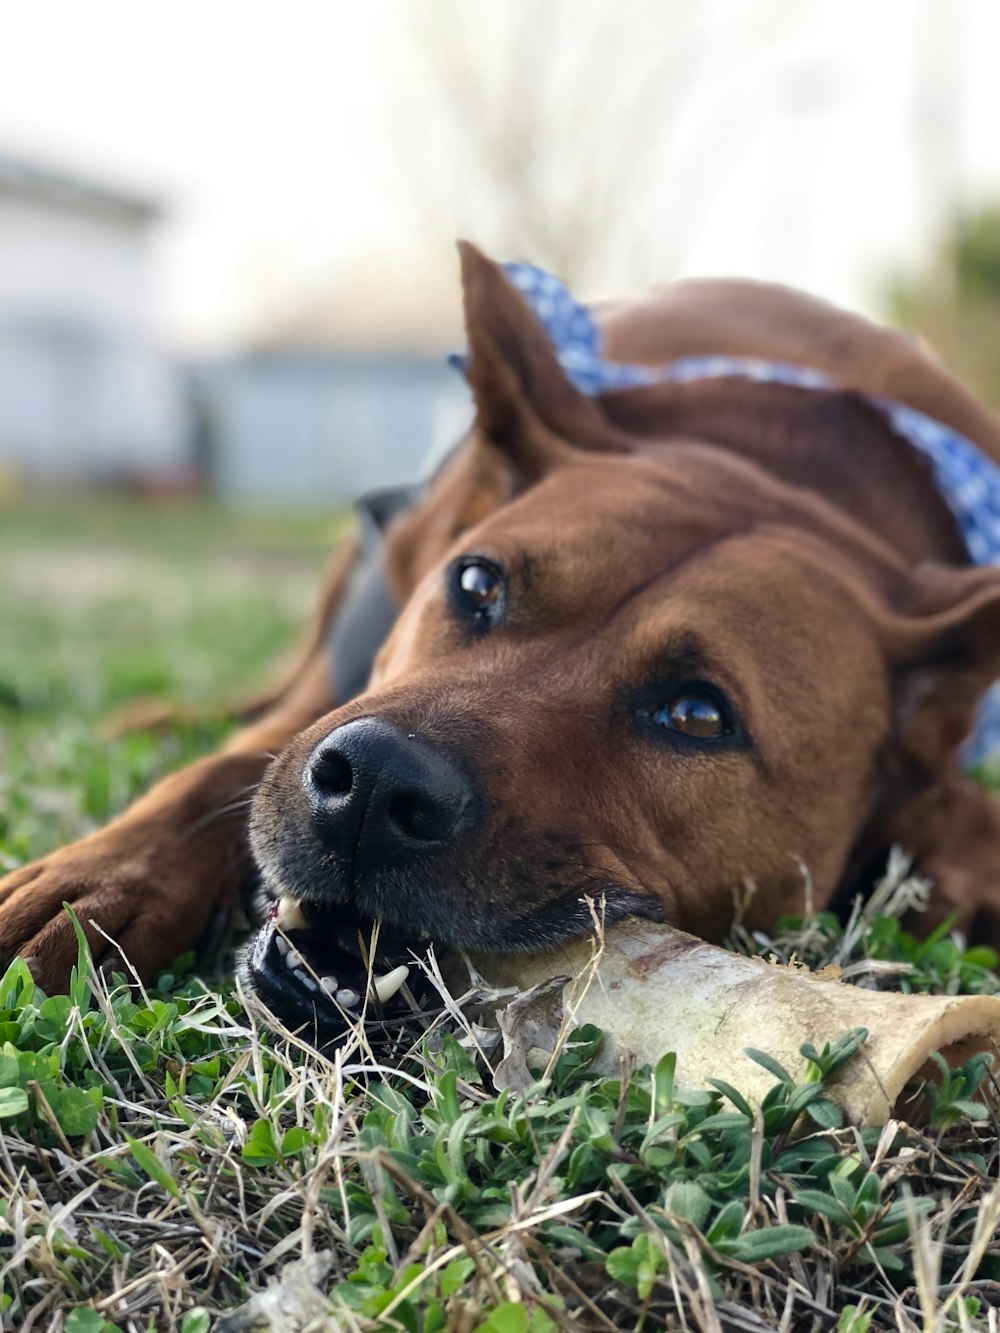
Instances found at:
x=642 y=676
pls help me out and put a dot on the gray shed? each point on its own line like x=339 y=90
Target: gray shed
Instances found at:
x=316 y=429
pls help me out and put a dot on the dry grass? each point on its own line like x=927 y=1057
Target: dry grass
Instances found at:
x=167 y=1164
x=389 y=1186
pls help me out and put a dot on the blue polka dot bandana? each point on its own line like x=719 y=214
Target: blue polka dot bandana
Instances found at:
x=967 y=479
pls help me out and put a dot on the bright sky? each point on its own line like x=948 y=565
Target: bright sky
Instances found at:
x=816 y=143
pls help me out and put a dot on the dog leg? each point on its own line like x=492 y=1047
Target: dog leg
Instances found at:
x=953 y=833
x=154 y=878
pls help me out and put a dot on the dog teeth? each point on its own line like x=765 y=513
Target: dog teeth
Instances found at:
x=387 y=986
x=290 y=915
x=282 y=943
x=293 y=959
x=344 y=996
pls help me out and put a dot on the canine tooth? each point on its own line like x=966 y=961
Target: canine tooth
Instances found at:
x=293 y=959
x=387 y=986
x=282 y=943
x=328 y=984
x=290 y=914
x=348 y=998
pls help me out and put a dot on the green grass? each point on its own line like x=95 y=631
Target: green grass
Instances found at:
x=166 y=1165
x=104 y=602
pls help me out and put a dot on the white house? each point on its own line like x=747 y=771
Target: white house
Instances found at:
x=85 y=391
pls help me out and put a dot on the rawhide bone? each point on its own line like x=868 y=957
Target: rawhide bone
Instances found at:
x=652 y=989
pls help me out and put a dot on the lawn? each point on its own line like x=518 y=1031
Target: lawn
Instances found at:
x=166 y=1165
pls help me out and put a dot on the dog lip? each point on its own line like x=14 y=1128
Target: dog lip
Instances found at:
x=277 y=986
x=343 y=918
x=323 y=979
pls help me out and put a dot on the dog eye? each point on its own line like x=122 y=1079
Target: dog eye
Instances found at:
x=478 y=586
x=481 y=585
x=696 y=711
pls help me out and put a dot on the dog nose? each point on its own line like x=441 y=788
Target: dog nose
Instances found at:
x=381 y=796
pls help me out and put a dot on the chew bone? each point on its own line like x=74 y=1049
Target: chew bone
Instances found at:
x=653 y=989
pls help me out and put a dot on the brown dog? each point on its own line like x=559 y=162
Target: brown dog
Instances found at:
x=654 y=646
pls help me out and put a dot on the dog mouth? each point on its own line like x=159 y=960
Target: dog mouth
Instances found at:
x=326 y=966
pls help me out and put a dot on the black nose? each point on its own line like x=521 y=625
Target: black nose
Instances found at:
x=381 y=796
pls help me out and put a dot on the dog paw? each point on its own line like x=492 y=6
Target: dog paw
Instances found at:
x=127 y=910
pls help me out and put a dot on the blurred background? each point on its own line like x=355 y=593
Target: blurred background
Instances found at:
x=228 y=279
x=226 y=229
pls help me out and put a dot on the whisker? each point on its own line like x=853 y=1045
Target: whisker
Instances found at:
x=219 y=813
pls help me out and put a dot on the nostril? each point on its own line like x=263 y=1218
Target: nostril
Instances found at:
x=418 y=817
x=379 y=796
x=331 y=772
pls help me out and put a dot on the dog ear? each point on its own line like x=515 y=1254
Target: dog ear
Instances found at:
x=952 y=830
x=525 y=402
x=944 y=646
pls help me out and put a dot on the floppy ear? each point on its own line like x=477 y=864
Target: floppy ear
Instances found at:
x=526 y=404
x=945 y=649
x=952 y=830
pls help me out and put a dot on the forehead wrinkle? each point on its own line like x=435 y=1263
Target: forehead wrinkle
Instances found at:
x=603 y=501
x=550 y=579
x=670 y=568
x=689 y=588
x=637 y=552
